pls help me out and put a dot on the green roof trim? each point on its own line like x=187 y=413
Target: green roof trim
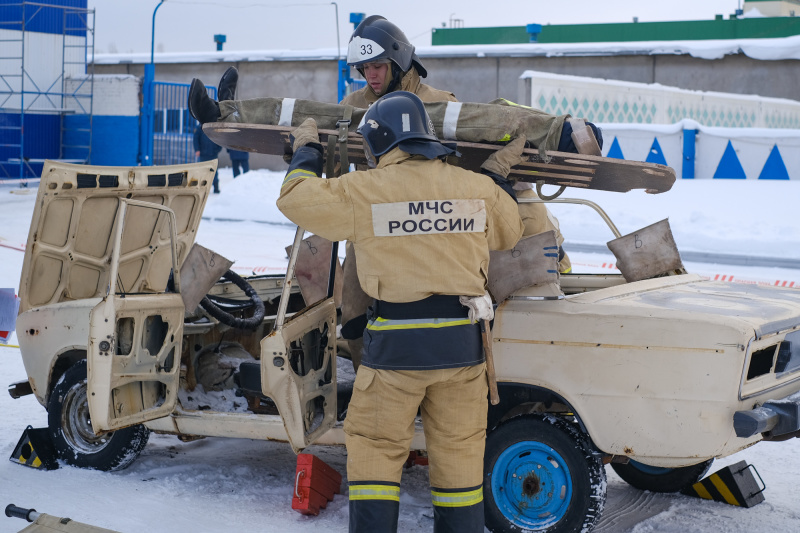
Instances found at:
x=692 y=30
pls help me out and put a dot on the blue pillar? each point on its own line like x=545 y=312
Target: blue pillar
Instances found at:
x=689 y=138
x=146 y=129
x=344 y=78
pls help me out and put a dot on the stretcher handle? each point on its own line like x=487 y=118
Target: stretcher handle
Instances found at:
x=12 y=511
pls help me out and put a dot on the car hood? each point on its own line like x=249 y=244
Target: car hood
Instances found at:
x=766 y=309
x=68 y=253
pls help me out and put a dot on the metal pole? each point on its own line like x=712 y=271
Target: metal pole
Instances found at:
x=341 y=63
x=146 y=136
x=338 y=45
x=153 y=31
x=22 y=100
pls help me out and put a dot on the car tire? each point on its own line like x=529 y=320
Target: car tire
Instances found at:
x=540 y=474
x=71 y=428
x=657 y=479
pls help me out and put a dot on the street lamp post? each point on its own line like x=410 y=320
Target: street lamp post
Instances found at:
x=146 y=134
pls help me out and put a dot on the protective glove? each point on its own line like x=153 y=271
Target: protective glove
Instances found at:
x=567 y=144
x=501 y=161
x=305 y=133
x=480 y=307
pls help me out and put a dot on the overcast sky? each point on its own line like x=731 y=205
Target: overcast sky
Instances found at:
x=190 y=25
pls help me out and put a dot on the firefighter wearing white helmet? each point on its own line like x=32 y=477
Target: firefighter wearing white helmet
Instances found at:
x=422 y=230
x=380 y=51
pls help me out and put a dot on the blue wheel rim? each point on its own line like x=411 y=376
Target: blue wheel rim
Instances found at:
x=531 y=485
x=652 y=470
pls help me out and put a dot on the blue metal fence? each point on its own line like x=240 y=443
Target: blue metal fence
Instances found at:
x=173 y=126
x=346 y=83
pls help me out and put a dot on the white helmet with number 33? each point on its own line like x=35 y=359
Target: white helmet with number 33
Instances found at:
x=376 y=40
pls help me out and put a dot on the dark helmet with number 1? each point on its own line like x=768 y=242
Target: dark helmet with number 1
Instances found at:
x=377 y=40
x=399 y=119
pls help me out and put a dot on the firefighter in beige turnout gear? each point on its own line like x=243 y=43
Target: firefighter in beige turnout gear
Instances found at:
x=422 y=230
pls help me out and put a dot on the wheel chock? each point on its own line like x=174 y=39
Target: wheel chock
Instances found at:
x=35 y=449
x=735 y=484
x=315 y=484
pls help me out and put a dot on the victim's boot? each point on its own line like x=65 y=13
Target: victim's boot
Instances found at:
x=226 y=90
x=201 y=106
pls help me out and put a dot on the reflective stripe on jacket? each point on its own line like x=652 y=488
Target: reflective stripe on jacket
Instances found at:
x=424 y=335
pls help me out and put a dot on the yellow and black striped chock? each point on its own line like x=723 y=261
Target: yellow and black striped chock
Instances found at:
x=35 y=449
x=734 y=484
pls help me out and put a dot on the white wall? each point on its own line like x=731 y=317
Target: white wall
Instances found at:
x=48 y=57
x=735 y=136
x=754 y=153
x=600 y=100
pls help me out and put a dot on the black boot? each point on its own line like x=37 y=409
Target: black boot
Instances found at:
x=227 y=84
x=201 y=106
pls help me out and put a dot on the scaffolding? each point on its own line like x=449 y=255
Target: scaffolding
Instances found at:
x=46 y=84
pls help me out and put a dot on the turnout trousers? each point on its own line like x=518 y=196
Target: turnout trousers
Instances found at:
x=380 y=426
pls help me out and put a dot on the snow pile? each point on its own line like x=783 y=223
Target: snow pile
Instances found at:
x=219 y=485
x=745 y=217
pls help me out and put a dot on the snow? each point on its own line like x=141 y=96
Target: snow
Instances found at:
x=217 y=484
x=772 y=49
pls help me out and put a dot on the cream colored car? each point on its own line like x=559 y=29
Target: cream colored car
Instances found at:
x=656 y=377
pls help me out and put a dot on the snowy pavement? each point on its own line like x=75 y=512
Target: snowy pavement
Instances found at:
x=215 y=484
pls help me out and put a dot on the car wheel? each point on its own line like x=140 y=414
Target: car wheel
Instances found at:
x=657 y=479
x=71 y=428
x=540 y=474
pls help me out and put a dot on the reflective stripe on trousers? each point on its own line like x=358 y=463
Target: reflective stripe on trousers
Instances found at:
x=359 y=491
x=374 y=507
x=457 y=497
x=458 y=510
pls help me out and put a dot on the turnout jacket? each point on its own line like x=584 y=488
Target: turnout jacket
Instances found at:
x=419 y=227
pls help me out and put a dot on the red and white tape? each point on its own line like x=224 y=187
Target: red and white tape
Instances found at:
x=258 y=269
x=714 y=277
x=5 y=244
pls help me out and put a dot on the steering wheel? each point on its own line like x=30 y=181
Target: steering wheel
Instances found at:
x=227 y=318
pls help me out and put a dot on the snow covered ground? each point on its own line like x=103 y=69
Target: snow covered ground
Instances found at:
x=228 y=485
